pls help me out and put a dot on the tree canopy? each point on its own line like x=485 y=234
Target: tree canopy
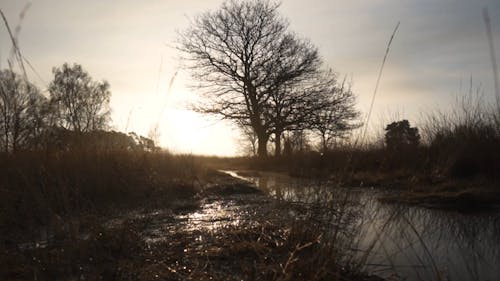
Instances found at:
x=337 y=117
x=81 y=103
x=20 y=106
x=243 y=56
x=400 y=135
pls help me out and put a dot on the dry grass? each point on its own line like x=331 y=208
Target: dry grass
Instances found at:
x=463 y=144
x=52 y=188
x=53 y=206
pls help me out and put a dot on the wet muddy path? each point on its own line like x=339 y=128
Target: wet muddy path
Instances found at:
x=271 y=227
x=239 y=232
x=235 y=233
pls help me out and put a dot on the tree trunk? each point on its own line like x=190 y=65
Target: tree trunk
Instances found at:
x=277 y=144
x=6 y=143
x=323 y=142
x=262 y=149
x=260 y=131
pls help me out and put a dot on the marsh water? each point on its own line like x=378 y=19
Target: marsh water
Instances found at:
x=392 y=241
x=402 y=242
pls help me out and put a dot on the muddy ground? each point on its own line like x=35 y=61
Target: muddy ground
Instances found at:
x=231 y=231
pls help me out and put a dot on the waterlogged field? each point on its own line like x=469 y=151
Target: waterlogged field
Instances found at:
x=399 y=241
x=281 y=227
x=238 y=232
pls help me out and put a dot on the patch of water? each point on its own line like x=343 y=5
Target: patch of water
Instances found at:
x=213 y=215
x=402 y=242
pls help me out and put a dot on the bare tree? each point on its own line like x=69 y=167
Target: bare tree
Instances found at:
x=82 y=104
x=241 y=54
x=248 y=140
x=296 y=141
x=20 y=111
x=337 y=115
x=293 y=106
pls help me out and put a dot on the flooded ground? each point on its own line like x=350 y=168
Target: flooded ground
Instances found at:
x=237 y=232
x=391 y=241
x=248 y=230
x=407 y=243
x=231 y=230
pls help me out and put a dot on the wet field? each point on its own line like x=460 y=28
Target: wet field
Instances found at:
x=266 y=226
x=400 y=241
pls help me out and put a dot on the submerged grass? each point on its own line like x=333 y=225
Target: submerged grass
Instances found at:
x=270 y=241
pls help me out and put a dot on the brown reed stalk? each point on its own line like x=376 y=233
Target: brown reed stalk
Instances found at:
x=378 y=82
x=489 y=33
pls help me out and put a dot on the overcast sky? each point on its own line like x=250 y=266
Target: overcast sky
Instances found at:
x=440 y=45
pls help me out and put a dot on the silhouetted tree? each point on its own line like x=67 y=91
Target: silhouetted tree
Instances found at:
x=142 y=143
x=400 y=135
x=292 y=104
x=248 y=140
x=296 y=141
x=81 y=104
x=100 y=140
x=337 y=116
x=20 y=111
x=242 y=54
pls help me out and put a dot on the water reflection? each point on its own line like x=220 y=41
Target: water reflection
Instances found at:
x=213 y=215
x=402 y=242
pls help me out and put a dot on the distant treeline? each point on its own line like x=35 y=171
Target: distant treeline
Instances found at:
x=76 y=113
x=463 y=144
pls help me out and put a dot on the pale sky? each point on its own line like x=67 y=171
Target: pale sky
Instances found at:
x=440 y=45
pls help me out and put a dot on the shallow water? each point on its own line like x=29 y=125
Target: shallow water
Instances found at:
x=213 y=215
x=392 y=241
x=403 y=242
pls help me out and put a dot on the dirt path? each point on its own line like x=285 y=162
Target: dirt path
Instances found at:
x=232 y=231
x=236 y=233
x=217 y=240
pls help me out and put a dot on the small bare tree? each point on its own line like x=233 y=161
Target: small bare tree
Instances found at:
x=337 y=116
x=82 y=104
x=296 y=105
x=20 y=111
x=296 y=141
x=248 y=140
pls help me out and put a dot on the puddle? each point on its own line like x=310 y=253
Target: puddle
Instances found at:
x=410 y=242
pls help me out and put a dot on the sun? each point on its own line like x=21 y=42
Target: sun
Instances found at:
x=179 y=129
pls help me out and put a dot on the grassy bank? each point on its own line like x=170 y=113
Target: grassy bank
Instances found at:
x=417 y=181
x=457 y=160
x=67 y=183
x=58 y=197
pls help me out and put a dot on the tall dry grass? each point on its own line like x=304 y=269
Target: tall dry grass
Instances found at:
x=464 y=142
x=461 y=143
x=41 y=189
